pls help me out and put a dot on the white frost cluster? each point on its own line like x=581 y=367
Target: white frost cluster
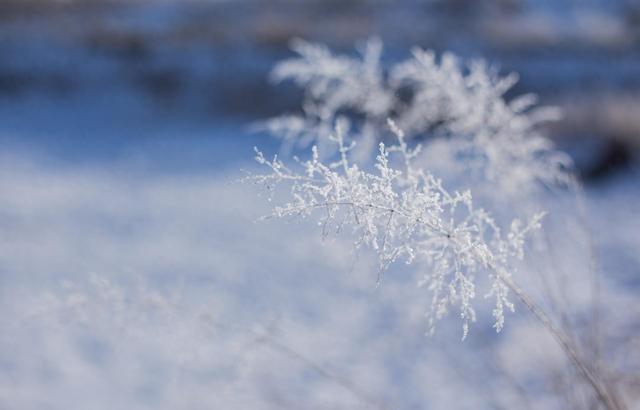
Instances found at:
x=404 y=212
x=333 y=84
x=429 y=98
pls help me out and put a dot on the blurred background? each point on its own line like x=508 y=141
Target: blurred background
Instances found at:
x=124 y=126
x=129 y=72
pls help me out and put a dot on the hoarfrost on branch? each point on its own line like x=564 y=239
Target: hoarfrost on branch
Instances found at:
x=403 y=212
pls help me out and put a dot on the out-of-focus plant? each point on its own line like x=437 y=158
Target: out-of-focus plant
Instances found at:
x=428 y=98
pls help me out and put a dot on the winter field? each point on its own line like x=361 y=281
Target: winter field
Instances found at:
x=137 y=270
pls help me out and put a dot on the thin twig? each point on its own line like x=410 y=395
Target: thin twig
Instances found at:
x=605 y=396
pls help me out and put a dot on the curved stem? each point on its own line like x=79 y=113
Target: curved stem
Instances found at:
x=604 y=394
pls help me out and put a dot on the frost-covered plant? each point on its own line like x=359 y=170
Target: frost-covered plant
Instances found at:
x=463 y=106
x=334 y=84
x=401 y=210
x=404 y=212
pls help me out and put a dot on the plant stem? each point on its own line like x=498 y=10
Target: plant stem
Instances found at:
x=603 y=392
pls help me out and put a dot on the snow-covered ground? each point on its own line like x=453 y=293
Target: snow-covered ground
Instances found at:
x=134 y=275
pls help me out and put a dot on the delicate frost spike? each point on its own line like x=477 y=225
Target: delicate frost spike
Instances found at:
x=396 y=130
x=405 y=213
